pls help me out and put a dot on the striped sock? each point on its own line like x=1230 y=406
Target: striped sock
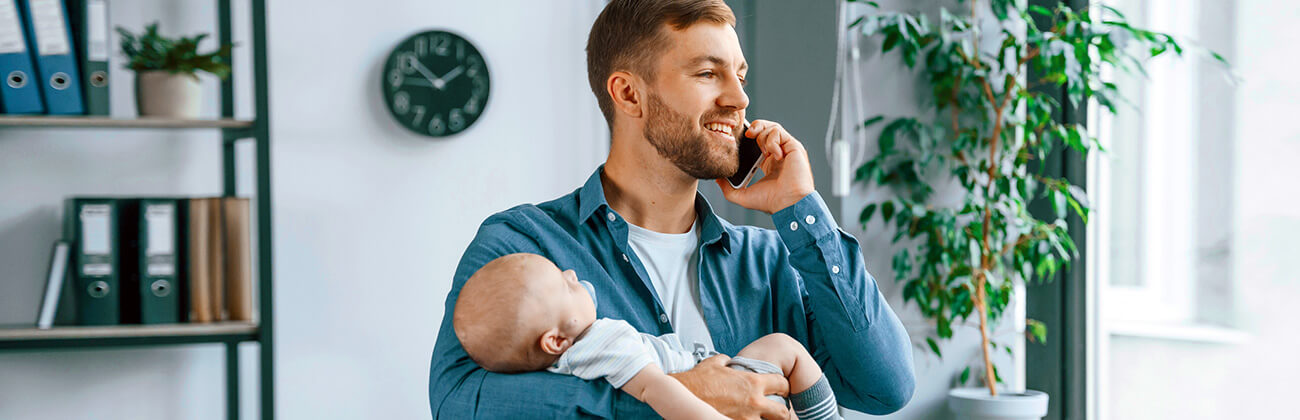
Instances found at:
x=816 y=402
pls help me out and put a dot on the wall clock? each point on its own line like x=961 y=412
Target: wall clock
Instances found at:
x=436 y=83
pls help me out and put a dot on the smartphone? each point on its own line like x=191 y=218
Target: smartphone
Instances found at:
x=750 y=156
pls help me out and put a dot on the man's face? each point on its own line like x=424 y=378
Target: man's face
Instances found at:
x=697 y=100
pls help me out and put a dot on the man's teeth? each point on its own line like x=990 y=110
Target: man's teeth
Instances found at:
x=721 y=128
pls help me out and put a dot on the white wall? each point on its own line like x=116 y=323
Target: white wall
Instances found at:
x=369 y=220
x=1169 y=379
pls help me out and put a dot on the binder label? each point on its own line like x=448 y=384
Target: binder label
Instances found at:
x=96 y=239
x=97 y=30
x=48 y=23
x=160 y=220
x=11 y=31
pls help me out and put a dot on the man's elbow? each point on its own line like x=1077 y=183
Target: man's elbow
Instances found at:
x=897 y=397
x=883 y=400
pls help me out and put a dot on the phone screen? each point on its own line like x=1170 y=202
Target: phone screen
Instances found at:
x=749 y=157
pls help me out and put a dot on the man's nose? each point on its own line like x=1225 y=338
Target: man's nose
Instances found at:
x=733 y=96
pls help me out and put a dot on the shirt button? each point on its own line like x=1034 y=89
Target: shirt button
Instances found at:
x=624 y=257
x=810 y=219
x=794 y=225
x=611 y=216
x=663 y=318
x=835 y=269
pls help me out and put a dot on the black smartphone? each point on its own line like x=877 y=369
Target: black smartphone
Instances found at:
x=750 y=156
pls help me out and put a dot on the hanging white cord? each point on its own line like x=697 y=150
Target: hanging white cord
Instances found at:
x=839 y=67
x=855 y=136
x=837 y=153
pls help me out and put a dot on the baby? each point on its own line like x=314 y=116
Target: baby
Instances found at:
x=520 y=313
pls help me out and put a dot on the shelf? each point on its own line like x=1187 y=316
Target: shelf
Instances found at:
x=126 y=335
x=107 y=122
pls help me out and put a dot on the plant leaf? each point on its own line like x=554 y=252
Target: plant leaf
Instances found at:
x=934 y=347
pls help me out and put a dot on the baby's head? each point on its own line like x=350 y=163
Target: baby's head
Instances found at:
x=520 y=312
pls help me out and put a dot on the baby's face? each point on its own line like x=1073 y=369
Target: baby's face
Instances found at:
x=573 y=307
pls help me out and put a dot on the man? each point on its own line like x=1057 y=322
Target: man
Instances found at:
x=668 y=76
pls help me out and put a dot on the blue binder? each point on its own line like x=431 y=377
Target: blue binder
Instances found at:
x=19 y=92
x=56 y=59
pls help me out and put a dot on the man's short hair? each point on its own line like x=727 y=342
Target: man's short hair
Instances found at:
x=628 y=36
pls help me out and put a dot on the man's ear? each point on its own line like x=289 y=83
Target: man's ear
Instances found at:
x=625 y=89
x=554 y=342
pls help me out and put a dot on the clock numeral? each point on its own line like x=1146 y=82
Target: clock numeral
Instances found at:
x=436 y=127
x=421 y=47
x=480 y=86
x=402 y=102
x=472 y=106
x=395 y=78
x=406 y=62
x=456 y=120
x=441 y=44
x=475 y=66
x=460 y=50
x=419 y=115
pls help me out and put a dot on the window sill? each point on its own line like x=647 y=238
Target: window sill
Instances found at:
x=1190 y=332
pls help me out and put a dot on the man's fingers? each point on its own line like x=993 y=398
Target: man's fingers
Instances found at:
x=774 y=383
x=772 y=410
x=719 y=359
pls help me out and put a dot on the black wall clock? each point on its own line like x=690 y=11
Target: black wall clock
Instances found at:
x=436 y=83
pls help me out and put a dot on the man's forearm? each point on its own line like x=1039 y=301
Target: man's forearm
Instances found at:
x=463 y=392
x=869 y=351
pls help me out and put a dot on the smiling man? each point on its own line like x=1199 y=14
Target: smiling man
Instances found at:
x=668 y=76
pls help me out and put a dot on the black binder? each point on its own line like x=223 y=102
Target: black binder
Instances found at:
x=151 y=265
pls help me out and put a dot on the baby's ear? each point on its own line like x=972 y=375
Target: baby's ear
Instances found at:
x=554 y=342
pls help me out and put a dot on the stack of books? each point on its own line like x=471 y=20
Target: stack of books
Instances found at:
x=150 y=260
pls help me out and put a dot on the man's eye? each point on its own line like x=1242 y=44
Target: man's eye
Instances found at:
x=706 y=74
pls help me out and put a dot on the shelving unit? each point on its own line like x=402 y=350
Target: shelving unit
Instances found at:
x=229 y=334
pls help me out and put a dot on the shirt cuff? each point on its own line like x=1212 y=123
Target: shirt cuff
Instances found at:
x=804 y=221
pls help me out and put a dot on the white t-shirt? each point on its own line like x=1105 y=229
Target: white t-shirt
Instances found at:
x=671 y=260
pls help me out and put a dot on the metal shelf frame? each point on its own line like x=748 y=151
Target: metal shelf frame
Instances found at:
x=228 y=334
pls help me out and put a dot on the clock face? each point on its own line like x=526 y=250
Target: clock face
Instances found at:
x=436 y=83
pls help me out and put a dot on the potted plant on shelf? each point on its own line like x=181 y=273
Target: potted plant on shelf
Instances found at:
x=987 y=126
x=166 y=83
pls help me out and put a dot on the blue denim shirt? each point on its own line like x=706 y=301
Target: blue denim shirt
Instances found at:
x=806 y=278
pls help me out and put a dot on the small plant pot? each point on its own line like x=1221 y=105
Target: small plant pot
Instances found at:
x=167 y=95
x=977 y=404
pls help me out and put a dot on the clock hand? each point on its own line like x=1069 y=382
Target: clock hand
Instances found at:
x=447 y=78
x=417 y=82
x=424 y=71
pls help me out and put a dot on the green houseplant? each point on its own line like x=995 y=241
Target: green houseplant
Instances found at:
x=167 y=84
x=987 y=125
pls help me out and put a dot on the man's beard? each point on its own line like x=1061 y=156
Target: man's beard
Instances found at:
x=678 y=139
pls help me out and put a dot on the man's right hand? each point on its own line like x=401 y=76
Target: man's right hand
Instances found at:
x=736 y=394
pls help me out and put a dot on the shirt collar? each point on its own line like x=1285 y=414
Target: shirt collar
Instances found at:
x=712 y=228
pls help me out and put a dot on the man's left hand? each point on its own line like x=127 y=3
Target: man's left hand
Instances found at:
x=787 y=175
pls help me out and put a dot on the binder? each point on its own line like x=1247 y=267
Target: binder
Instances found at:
x=53 y=285
x=90 y=224
x=238 y=259
x=198 y=273
x=150 y=261
x=54 y=54
x=216 y=259
x=20 y=92
x=89 y=20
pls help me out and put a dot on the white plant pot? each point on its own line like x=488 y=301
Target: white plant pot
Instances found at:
x=977 y=404
x=162 y=94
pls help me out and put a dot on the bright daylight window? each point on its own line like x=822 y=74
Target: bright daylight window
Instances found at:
x=1164 y=188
